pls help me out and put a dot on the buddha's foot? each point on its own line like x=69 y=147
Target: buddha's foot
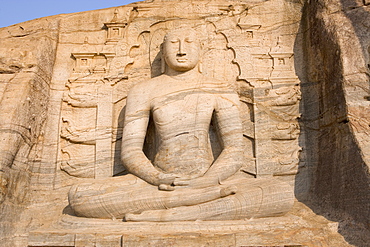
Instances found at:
x=230 y=190
x=173 y=214
x=180 y=213
x=189 y=197
x=144 y=216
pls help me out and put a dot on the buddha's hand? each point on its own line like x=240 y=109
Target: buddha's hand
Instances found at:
x=200 y=182
x=166 y=181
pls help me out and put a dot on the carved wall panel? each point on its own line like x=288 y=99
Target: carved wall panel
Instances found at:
x=78 y=137
x=87 y=126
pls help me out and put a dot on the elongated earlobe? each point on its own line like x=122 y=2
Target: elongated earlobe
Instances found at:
x=200 y=64
x=163 y=62
x=163 y=65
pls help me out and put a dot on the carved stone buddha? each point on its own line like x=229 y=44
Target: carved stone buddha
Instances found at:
x=184 y=181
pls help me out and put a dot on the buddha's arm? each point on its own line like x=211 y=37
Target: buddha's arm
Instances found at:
x=230 y=129
x=134 y=131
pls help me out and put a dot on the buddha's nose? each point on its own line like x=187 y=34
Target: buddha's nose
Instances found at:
x=181 y=51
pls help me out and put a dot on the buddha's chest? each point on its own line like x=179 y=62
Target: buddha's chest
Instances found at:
x=183 y=109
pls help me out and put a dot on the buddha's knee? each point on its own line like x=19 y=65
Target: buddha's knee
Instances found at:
x=104 y=198
x=84 y=201
x=77 y=200
x=275 y=197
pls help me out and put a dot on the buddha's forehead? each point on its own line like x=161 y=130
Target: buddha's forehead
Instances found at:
x=181 y=33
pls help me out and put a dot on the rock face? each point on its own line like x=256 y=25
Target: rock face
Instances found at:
x=335 y=109
x=300 y=72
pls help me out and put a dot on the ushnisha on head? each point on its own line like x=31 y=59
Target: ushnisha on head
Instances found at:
x=181 y=50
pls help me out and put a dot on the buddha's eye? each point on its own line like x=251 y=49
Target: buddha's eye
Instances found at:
x=175 y=41
x=189 y=40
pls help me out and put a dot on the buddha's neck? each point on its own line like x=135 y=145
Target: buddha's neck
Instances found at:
x=189 y=75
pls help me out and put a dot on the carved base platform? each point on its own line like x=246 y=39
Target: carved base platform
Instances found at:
x=299 y=228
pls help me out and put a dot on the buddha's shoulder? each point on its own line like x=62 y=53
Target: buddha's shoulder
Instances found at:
x=146 y=86
x=216 y=84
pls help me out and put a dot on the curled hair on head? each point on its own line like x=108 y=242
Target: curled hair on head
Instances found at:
x=181 y=29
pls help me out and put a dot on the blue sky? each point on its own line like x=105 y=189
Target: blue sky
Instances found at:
x=16 y=11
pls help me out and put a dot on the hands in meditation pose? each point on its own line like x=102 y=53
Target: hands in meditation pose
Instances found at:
x=184 y=181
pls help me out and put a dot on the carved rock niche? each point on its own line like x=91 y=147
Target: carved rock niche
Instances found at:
x=92 y=62
x=115 y=29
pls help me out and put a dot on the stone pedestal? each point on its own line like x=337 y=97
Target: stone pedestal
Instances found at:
x=299 y=228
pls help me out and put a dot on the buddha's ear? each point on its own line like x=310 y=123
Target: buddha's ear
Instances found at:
x=200 y=63
x=163 y=62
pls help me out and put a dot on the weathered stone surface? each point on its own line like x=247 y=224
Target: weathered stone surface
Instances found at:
x=27 y=59
x=300 y=227
x=334 y=105
x=300 y=69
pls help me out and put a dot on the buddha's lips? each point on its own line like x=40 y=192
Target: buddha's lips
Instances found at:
x=181 y=60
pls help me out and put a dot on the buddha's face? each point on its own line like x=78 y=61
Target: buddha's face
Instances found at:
x=181 y=50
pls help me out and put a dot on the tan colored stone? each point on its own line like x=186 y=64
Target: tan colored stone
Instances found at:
x=191 y=240
x=301 y=78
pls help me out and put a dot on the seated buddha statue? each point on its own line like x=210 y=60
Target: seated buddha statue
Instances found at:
x=184 y=181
